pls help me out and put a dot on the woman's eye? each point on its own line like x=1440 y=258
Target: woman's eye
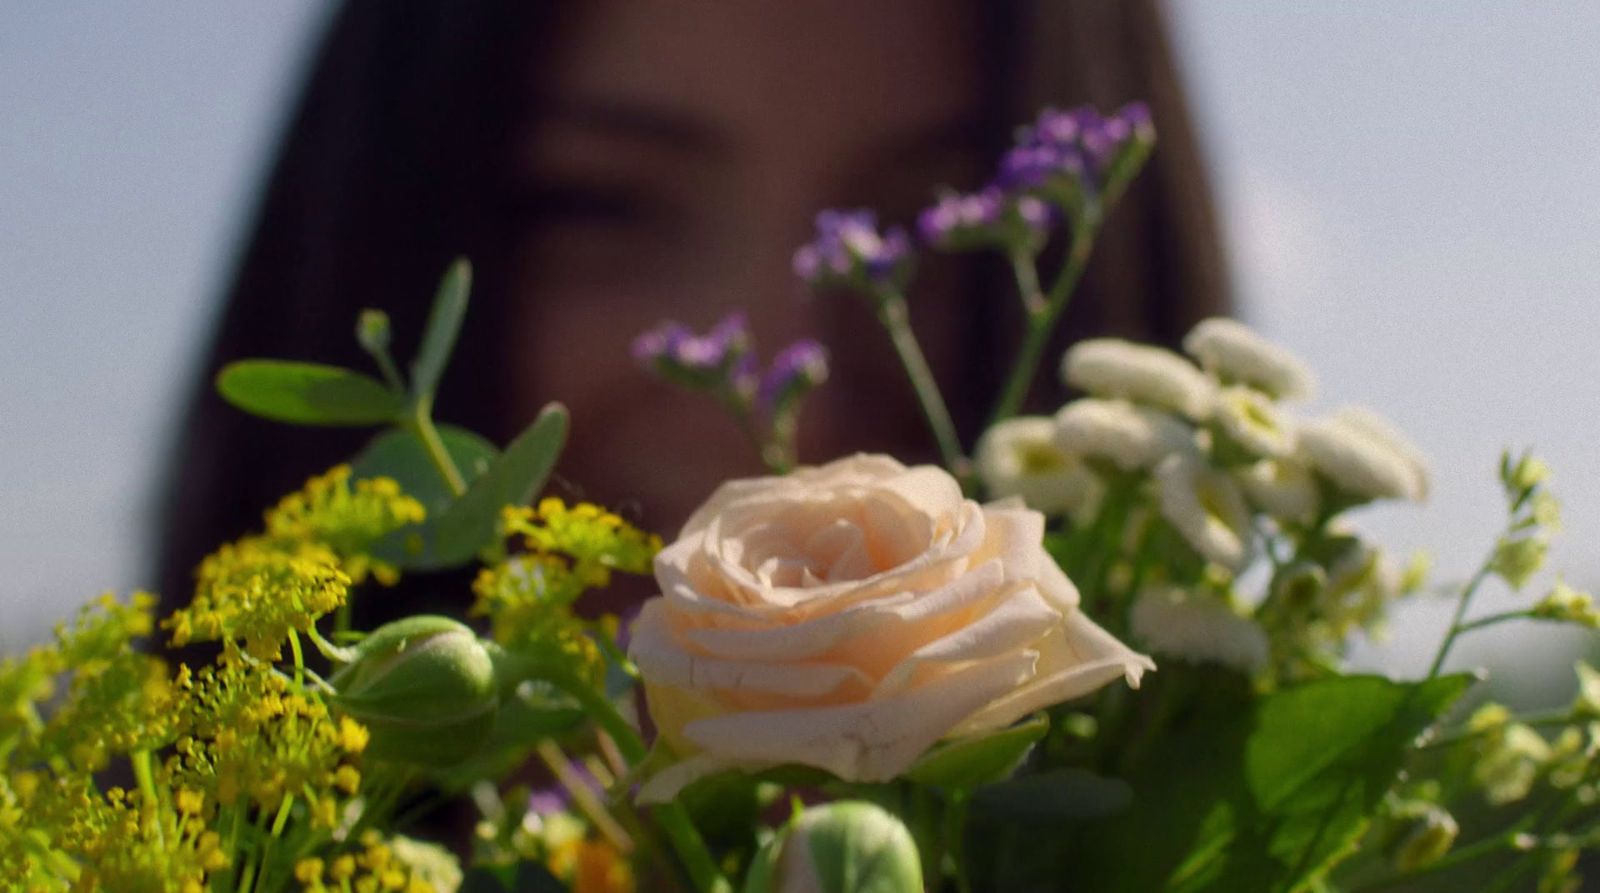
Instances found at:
x=580 y=205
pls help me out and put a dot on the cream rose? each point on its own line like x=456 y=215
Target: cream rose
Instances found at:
x=850 y=616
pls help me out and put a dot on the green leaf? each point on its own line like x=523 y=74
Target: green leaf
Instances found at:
x=399 y=454
x=1060 y=795
x=308 y=393
x=979 y=760
x=1262 y=794
x=452 y=536
x=444 y=324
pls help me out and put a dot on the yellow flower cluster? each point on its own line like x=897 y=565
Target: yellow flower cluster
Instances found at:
x=597 y=541
x=253 y=736
x=348 y=518
x=570 y=549
x=258 y=592
x=60 y=834
x=117 y=700
x=375 y=868
x=262 y=588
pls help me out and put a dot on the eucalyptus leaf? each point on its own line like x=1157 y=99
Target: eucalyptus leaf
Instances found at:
x=308 y=393
x=979 y=760
x=451 y=536
x=399 y=454
x=444 y=324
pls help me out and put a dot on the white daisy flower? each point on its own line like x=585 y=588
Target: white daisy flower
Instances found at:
x=1111 y=367
x=1132 y=437
x=1360 y=464
x=1207 y=508
x=1234 y=352
x=1020 y=457
x=1283 y=488
x=1197 y=628
x=1250 y=419
x=1383 y=431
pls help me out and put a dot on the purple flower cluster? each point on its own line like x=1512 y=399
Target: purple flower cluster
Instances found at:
x=849 y=249
x=987 y=217
x=1056 y=163
x=1076 y=148
x=723 y=362
x=796 y=369
x=678 y=353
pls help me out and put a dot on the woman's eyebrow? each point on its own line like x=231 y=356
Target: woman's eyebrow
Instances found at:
x=660 y=128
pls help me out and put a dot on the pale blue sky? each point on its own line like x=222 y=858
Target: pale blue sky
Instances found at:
x=1410 y=190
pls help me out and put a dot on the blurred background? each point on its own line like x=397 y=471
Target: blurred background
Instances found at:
x=1408 y=198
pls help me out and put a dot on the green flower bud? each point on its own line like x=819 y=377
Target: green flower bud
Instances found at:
x=1517 y=560
x=1568 y=605
x=372 y=331
x=1428 y=834
x=844 y=847
x=425 y=688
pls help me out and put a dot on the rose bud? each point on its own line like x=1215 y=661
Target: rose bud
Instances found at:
x=425 y=687
x=843 y=847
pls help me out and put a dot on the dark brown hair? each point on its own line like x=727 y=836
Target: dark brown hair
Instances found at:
x=390 y=166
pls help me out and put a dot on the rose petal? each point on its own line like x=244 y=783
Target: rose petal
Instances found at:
x=1076 y=660
x=871 y=741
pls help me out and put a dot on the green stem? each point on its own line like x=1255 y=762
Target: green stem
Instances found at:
x=1493 y=619
x=672 y=817
x=1487 y=847
x=1540 y=719
x=1028 y=288
x=896 y=319
x=422 y=423
x=1043 y=322
x=1455 y=622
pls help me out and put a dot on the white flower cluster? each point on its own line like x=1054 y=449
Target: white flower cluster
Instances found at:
x=1206 y=446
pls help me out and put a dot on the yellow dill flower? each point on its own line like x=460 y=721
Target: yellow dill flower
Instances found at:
x=346 y=516
x=587 y=533
x=25 y=682
x=117 y=700
x=377 y=866
x=118 y=840
x=256 y=592
x=252 y=736
x=116 y=708
x=528 y=598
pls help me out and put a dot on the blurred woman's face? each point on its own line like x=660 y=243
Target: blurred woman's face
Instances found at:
x=679 y=152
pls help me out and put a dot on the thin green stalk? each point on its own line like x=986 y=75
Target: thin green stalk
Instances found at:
x=1493 y=619
x=672 y=817
x=896 y=319
x=1489 y=846
x=1539 y=719
x=1043 y=322
x=1455 y=622
x=1028 y=288
x=422 y=423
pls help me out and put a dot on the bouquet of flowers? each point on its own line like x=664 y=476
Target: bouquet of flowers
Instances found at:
x=1102 y=653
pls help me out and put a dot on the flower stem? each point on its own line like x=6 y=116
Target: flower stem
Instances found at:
x=672 y=817
x=1456 y=627
x=1042 y=321
x=421 y=422
x=1028 y=288
x=896 y=319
